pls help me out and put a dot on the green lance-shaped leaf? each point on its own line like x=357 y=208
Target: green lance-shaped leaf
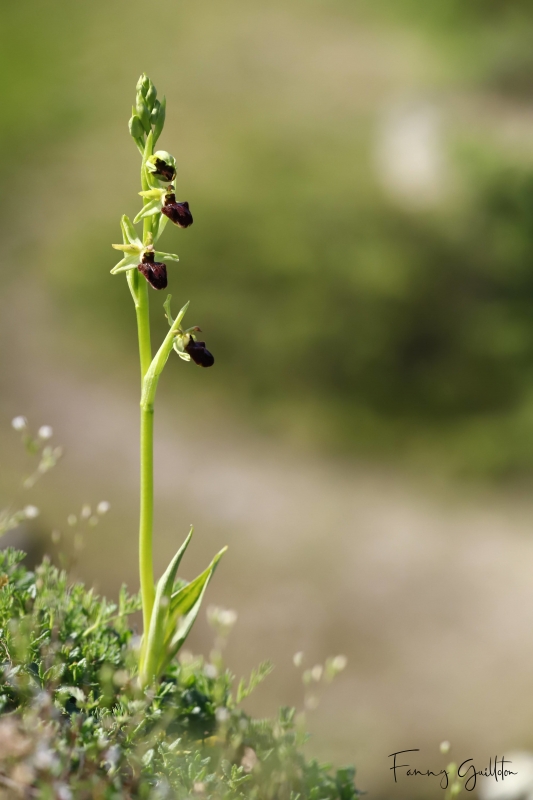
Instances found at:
x=184 y=607
x=153 y=648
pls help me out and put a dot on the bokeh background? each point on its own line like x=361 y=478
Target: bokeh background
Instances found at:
x=361 y=263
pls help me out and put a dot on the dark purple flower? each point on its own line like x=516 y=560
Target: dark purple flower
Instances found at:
x=199 y=353
x=164 y=170
x=178 y=213
x=154 y=271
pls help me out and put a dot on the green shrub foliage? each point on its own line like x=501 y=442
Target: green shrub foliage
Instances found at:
x=74 y=723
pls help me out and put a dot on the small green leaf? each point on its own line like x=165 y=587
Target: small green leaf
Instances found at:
x=153 y=651
x=184 y=607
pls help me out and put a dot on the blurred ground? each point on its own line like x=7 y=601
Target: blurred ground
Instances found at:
x=361 y=177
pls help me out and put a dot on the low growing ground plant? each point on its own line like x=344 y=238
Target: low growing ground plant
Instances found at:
x=90 y=709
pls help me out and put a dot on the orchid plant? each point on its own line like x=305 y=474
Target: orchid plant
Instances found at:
x=170 y=607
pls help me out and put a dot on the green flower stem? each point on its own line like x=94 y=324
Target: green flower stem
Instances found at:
x=146 y=513
x=150 y=381
x=146 y=570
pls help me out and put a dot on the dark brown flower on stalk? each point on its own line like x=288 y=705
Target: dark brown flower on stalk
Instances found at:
x=154 y=271
x=163 y=170
x=199 y=353
x=178 y=213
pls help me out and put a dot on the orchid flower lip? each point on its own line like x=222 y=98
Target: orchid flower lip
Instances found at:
x=199 y=353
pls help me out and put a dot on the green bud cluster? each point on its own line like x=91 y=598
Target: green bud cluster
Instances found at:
x=148 y=114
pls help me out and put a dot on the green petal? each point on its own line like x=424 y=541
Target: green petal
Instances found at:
x=166 y=256
x=131 y=249
x=152 y=194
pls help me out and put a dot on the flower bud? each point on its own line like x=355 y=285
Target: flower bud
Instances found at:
x=151 y=96
x=143 y=113
x=143 y=84
x=155 y=112
x=162 y=166
x=178 y=213
x=136 y=127
x=199 y=353
x=154 y=271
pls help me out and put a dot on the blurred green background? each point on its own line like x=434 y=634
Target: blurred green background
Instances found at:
x=361 y=264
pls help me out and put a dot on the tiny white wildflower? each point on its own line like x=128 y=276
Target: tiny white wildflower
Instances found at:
x=103 y=507
x=210 y=671
x=339 y=663
x=45 y=432
x=30 y=512
x=222 y=714
x=19 y=423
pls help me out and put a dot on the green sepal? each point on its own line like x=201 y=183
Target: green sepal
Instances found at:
x=128 y=231
x=168 y=313
x=148 y=210
x=153 y=655
x=132 y=279
x=161 y=226
x=130 y=262
x=160 y=121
